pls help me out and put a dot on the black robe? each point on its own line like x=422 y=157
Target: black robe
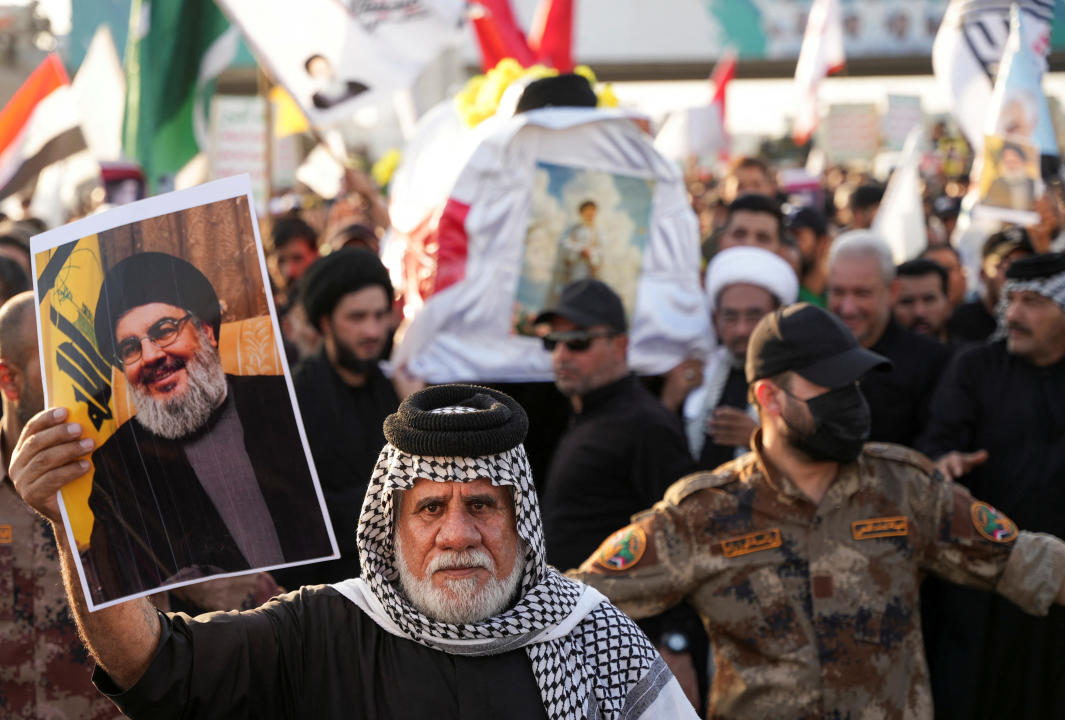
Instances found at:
x=153 y=519
x=987 y=658
x=315 y=654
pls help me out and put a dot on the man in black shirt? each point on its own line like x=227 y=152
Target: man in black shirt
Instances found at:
x=976 y=321
x=343 y=395
x=620 y=454
x=861 y=289
x=998 y=426
x=623 y=449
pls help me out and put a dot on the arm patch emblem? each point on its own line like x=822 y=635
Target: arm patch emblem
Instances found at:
x=880 y=527
x=992 y=524
x=5 y=535
x=623 y=549
x=751 y=542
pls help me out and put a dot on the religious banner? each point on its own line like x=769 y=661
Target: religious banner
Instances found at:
x=579 y=219
x=1009 y=180
x=158 y=334
x=332 y=59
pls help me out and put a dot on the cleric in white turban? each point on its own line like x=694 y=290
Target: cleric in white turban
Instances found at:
x=742 y=285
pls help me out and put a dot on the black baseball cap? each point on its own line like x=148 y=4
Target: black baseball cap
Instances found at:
x=807 y=217
x=587 y=303
x=809 y=341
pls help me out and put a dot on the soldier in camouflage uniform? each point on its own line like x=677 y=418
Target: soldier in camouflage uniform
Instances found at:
x=44 y=668
x=804 y=557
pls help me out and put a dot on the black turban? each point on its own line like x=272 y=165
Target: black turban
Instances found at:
x=496 y=424
x=150 y=277
x=331 y=277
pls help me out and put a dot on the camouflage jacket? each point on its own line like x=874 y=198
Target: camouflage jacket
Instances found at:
x=44 y=669
x=813 y=609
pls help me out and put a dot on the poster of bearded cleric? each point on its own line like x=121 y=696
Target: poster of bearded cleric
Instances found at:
x=158 y=334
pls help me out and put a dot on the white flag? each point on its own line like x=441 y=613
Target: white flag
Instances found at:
x=900 y=219
x=332 y=60
x=821 y=55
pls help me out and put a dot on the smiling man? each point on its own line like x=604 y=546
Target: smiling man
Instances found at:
x=456 y=615
x=209 y=475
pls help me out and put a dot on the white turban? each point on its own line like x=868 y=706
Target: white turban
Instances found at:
x=751 y=266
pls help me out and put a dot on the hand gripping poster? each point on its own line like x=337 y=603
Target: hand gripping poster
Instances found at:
x=158 y=334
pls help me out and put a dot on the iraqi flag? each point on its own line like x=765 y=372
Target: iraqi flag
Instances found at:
x=38 y=128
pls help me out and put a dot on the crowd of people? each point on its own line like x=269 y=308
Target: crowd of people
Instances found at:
x=860 y=424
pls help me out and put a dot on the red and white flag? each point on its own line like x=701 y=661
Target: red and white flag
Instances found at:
x=820 y=56
x=699 y=131
x=38 y=127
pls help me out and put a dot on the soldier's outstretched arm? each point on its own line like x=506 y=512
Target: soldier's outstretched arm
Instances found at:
x=647 y=567
x=49 y=454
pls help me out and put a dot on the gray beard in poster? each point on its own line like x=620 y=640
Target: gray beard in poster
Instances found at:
x=181 y=416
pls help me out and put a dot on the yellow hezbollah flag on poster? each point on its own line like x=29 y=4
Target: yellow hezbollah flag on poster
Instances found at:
x=76 y=375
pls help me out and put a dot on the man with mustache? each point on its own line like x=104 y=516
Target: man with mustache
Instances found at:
x=997 y=426
x=456 y=615
x=209 y=476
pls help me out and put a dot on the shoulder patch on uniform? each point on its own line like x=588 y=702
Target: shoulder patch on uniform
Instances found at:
x=623 y=549
x=751 y=543
x=898 y=453
x=690 y=484
x=992 y=524
x=881 y=527
x=5 y=535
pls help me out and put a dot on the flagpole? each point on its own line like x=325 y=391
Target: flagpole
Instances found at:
x=265 y=86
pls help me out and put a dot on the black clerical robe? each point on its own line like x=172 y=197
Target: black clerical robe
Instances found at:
x=987 y=658
x=314 y=654
x=153 y=521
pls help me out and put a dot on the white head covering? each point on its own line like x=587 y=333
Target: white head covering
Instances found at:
x=752 y=266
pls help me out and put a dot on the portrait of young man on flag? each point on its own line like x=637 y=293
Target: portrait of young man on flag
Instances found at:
x=159 y=336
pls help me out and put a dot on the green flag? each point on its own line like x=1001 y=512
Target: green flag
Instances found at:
x=175 y=51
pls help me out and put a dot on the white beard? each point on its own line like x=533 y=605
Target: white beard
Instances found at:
x=177 y=417
x=464 y=603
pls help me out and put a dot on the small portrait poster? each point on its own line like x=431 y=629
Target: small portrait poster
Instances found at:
x=158 y=333
x=1009 y=180
x=582 y=224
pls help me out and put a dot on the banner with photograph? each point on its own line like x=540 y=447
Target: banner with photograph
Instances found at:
x=332 y=59
x=158 y=333
x=1010 y=180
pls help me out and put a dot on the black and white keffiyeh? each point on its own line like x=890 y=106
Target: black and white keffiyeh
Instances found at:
x=589 y=659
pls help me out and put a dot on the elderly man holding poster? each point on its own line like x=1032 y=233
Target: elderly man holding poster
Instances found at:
x=457 y=615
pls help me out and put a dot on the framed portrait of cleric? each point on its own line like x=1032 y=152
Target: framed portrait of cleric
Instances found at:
x=582 y=224
x=158 y=332
x=1010 y=181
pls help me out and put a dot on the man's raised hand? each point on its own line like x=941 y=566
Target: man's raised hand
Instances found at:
x=49 y=454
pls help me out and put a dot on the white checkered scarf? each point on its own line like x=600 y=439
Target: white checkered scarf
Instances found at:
x=1052 y=287
x=604 y=668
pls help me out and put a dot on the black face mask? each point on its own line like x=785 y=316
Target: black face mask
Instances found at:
x=841 y=425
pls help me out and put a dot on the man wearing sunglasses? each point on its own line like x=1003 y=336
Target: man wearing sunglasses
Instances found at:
x=209 y=476
x=622 y=450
